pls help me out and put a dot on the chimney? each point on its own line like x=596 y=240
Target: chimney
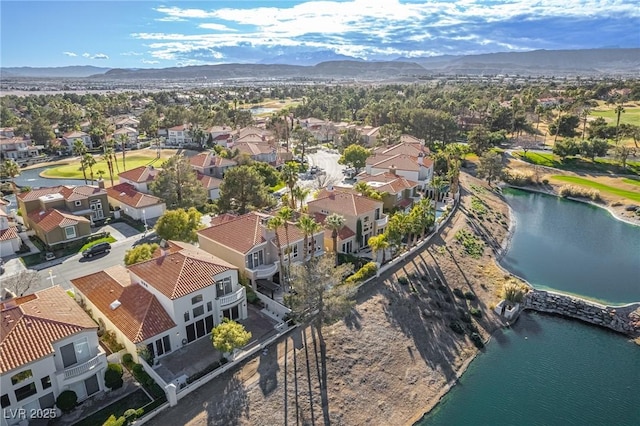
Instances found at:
x=420 y=159
x=101 y=183
x=392 y=170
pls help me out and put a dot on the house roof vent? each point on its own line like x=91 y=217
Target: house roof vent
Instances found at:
x=115 y=304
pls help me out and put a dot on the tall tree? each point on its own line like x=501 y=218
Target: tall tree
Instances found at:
x=619 y=111
x=123 y=140
x=10 y=169
x=274 y=224
x=355 y=156
x=179 y=225
x=490 y=166
x=309 y=228
x=109 y=156
x=89 y=162
x=305 y=138
x=243 y=189
x=229 y=335
x=286 y=214
x=290 y=176
x=19 y=284
x=335 y=222
x=379 y=243
x=177 y=184
x=139 y=253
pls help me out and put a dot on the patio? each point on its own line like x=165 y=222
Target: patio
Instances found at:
x=197 y=356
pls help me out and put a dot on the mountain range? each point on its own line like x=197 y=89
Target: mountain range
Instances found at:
x=327 y=65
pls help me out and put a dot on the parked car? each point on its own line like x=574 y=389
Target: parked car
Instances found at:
x=96 y=249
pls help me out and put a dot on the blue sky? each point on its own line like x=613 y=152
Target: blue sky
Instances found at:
x=144 y=33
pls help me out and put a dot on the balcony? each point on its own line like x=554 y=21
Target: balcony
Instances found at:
x=382 y=221
x=231 y=298
x=89 y=366
x=263 y=271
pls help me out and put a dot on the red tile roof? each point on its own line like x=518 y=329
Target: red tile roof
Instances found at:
x=389 y=183
x=140 y=174
x=210 y=159
x=50 y=219
x=254 y=148
x=127 y=194
x=181 y=270
x=344 y=203
x=399 y=161
x=70 y=193
x=343 y=233
x=209 y=182
x=140 y=315
x=9 y=234
x=30 y=324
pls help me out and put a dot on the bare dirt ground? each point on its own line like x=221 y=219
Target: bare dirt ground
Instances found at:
x=392 y=359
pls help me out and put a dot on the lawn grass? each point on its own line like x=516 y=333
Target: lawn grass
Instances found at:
x=631 y=181
x=72 y=170
x=137 y=399
x=635 y=196
x=578 y=164
x=108 y=239
x=631 y=115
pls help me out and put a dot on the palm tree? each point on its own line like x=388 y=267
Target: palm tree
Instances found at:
x=274 y=224
x=299 y=193
x=89 y=162
x=585 y=113
x=379 y=243
x=561 y=108
x=123 y=139
x=334 y=222
x=286 y=214
x=309 y=228
x=79 y=148
x=11 y=170
x=290 y=177
x=108 y=157
x=83 y=167
x=437 y=183
x=619 y=111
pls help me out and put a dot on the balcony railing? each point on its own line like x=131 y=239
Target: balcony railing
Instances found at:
x=263 y=271
x=84 y=367
x=382 y=221
x=231 y=298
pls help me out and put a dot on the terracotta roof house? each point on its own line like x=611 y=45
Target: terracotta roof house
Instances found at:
x=258 y=151
x=166 y=302
x=398 y=192
x=70 y=138
x=211 y=184
x=135 y=204
x=61 y=214
x=245 y=242
x=48 y=344
x=18 y=149
x=210 y=164
x=363 y=216
x=130 y=133
x=221 y=135
x=409 y=160
x=130 y=122
x=140 y=177
x=179 y=135
x=9 y=239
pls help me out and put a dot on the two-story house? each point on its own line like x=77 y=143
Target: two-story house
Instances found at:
x=18 y=149
x=409 y=160
x=166 y=302
x=246 y=242
x=70 y=138
x=129 y=134
x=210 y=164
x=48 y=345
x=398 y=192
x=129 y=122
x=179 y=135
x=139 y=178
x=258 y=151
x=61 y=214
x=221 y=135
x=364 y=217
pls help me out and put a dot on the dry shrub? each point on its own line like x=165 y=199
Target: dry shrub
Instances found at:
x=580 y=192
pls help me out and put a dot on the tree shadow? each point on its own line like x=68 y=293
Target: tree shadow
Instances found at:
x=268 y=369
x=230 y=409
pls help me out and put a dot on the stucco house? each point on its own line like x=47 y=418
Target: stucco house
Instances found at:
x=48 y=345
x=61 y=214
x=398 y=192
x=258 y=151
x=18 y=148
x=179 y=135
x=69 y=139
x=210 y=164
x=245 y=241
x=129 y=133
x=409 y=160
x=135 y=204
x=211 y=184
x=9 y=239
x=140 y=177
x=166 y=302
x=364 y=217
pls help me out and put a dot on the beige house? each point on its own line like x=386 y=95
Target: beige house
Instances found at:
x=140 y=177
x=409 y=159
x=364 y=217
x=135 y=204
x=210 y=164
x=398 y=192
x=245 y=242
x=18 y=148
x=69 y=139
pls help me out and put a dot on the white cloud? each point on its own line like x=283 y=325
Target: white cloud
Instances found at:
x=131 y=53
x=369 y=28
x=69 y=54
x=95 y=56
x=148 y=61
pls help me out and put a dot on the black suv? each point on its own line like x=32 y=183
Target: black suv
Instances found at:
x=97 y=249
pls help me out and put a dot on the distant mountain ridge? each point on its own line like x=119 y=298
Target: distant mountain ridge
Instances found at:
x=328 y=65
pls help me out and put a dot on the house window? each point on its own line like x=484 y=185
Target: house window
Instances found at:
x=255 y=259
x=70 y=232
x=209 y=306
x=347 y=247
x=21 y=377
x=75 y=352
x=78 y=203
x=366 y=219
x=47 y=401
x=46 y=382
x=377 y=214
x=4 y=400
x=291 y=252
x=197 y=311
x=196 y=299
x=163 y=346
x=26 y=391
x=186 y=316
x=223 y=287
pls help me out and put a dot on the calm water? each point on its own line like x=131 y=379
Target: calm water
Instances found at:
x=548 y=370
x=573 y=247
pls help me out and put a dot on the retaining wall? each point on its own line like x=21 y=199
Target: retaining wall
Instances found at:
x=623 y=319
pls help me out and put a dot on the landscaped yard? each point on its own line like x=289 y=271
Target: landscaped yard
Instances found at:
x=631 y=115
x=635 y=196
x=600 y=165
x=136 y=400
x=72 y=169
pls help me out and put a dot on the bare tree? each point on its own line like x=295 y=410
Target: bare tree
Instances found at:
x=20 y=283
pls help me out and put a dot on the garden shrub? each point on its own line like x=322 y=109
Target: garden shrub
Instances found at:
x=475 y=312
x=113 y=376
x=127 y=360
x=477 y=340
x=403 y=280
x=464 y=316
x=67 y=400
x=577 y=191
x=458 y=292
x=112 y=421
x=456 y=327
x=469 y=295
x=367 y=271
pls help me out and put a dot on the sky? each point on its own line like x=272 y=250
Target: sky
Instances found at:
x=159 y=34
